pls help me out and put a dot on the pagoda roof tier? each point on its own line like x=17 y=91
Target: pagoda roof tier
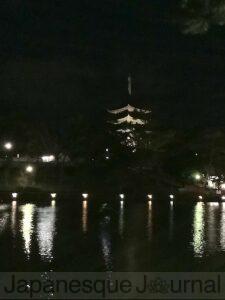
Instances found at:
x=129 y=108
x=130 y=120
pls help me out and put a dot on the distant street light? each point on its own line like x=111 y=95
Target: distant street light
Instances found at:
x=29 y=169
x=8 y=146
x=14 y=195
x=197 y=176
x=47 y=158
x=53 y=195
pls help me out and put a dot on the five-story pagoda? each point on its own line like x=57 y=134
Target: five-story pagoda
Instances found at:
x=130 y=123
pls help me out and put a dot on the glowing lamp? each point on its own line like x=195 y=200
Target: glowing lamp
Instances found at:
x=85 y=195
x=197 y=177
x=29 y=169
x=48 y=158
x=8 y=146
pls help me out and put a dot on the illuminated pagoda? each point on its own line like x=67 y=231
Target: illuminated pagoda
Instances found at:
x=130 y=123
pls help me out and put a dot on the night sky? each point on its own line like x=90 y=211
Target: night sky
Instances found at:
x=59 y=58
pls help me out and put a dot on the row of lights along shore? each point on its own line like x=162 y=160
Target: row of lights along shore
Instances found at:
x=121 y=196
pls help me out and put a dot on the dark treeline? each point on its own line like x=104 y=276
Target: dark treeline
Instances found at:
x=166 y=156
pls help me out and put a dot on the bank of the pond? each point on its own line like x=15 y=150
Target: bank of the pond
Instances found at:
x=78 y=195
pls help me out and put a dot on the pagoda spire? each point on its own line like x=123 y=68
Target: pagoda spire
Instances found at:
x=129 y=85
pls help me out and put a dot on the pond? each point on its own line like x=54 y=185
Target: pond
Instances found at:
x=77 y=235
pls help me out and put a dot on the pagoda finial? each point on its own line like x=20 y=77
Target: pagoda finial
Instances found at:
x=129 y=85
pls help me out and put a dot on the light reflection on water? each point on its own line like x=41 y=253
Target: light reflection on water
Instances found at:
x=13 y=217
x=105 y=238
x=84 y=216
x=4 y=216
x=27 y=226
x=4 y=207
x=171 y=220
x=46 y=217
x=121 y=218
x=200 y=230
x=222 y=227
x=150 y=221
x=212 y=228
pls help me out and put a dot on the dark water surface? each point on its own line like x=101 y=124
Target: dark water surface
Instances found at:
x=121 y=236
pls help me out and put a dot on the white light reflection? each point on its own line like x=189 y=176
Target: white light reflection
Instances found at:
x=84 y=216
x=106 y=243
x=4 y=215
x=198 y=229
x=222 y=228
x=3 y=207
x=27 y=226
x=46 y=231
x=171 y=221
x=149 y=224
x=121 y=218
x=212 y=225
x=13 y=217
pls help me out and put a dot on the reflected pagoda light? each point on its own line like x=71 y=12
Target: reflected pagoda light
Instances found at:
x=8 y=146
x=223 y=197
x=53 y=203
x=222 y=186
